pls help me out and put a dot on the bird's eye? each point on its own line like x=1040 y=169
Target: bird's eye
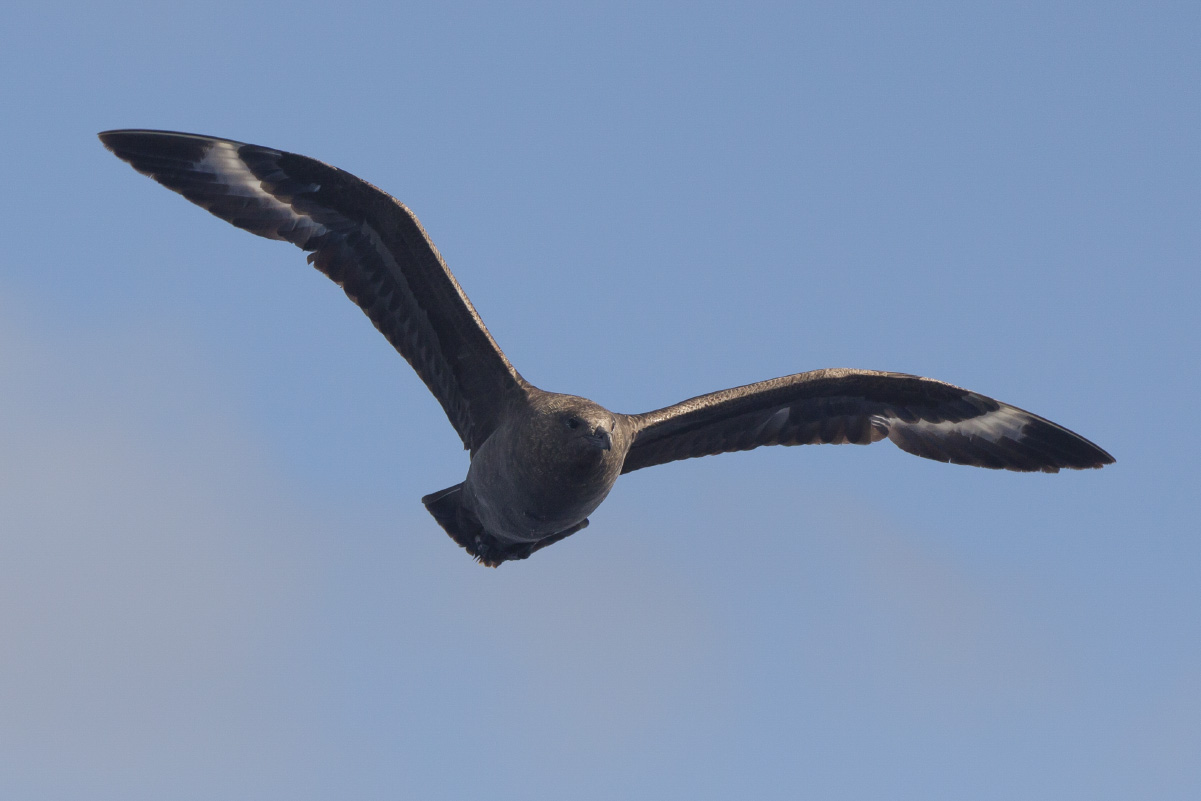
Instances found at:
x=573 y=422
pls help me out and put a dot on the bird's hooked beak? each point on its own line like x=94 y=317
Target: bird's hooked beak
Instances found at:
x=600 y=438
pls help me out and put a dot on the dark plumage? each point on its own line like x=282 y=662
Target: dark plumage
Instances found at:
x=541 y=462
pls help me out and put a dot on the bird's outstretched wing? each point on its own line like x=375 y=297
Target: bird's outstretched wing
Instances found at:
x=369 y=243
x=920 y=415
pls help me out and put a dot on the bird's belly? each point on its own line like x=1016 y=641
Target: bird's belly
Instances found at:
x=521 y=511
x=525 y=517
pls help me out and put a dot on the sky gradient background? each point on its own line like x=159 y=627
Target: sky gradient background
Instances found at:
x=217 y=579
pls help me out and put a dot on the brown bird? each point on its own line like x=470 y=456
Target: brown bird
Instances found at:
x=541 y=462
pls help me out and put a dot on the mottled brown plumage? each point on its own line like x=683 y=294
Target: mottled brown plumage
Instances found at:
x=541 y=462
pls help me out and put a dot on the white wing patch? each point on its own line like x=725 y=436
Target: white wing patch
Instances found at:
x=770 y=427
x=222 y=161
x=1004 y=423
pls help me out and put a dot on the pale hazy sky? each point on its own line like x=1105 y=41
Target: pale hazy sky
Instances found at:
x=217 y=580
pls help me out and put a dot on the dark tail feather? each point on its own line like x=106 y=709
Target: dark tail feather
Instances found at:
x=461 y=524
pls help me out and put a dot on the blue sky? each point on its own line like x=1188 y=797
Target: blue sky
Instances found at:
x=217 y=580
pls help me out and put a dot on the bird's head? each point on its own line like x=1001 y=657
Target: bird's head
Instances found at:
x=579 y=432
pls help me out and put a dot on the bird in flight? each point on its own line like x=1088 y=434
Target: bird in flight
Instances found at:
x=541 y=462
